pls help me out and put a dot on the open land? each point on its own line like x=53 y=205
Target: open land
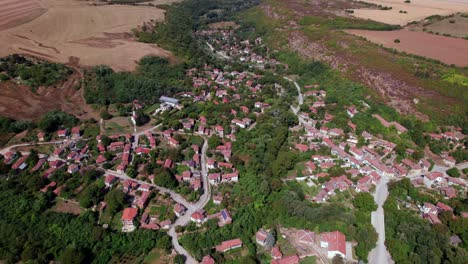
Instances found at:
x=445 y=49
x=415 y=10
x=68 y=28
x=455 y=26
x=19 y=102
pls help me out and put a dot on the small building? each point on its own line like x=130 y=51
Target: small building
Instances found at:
x=334 y=242
x=128 y=216
x=169 y=100
x=264 y=238
x=179 y=209
x=229 y=245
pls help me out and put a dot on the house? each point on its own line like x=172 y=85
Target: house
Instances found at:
x=38 y=165
x=73 y=168
x=207 y=260
x=225 y=217
x=110 y=180
x=443 y=207
x=56 y=164
x=179 y=209
x=41 y=136
x=62 y=133
x=264 y=238
x=449 y=192
x=76 y=132
x=302 y=147
x=293 y=259
x=432 y=178
x=198 y=217
x=214 y=178
x=20 y=164
x=429 y=208
x=166 y=224
x=276 y=253
x=228 y=245
x=128 y=216
x=449 y=161
x=230 y=177
x=334 y=242
x=173 y=142
x=169 y=101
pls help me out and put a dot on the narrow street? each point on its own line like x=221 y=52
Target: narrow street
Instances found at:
x=380 y=255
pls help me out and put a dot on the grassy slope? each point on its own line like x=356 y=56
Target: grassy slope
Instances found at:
x=451 y=98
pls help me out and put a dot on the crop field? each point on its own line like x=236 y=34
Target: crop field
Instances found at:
x=401 y=13
x=445 y=49
x=57 y=30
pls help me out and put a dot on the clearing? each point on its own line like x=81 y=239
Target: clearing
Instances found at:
x=67 y=207
x=445 y=49
x=414 y=11
x=70 y=28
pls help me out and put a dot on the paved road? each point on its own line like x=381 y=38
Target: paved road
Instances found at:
x=380 y=255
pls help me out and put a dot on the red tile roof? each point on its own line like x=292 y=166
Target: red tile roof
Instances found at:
x=336 y=241
x=129 y=214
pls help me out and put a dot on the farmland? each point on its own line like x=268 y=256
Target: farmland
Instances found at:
x=75 y=29
x=401 y=13
x=445 y=49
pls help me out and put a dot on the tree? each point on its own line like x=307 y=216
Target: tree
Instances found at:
x=214 y=141
x=73 y=255
x=179 y=259
x=454 y=172
x=365 y=202
x=115 y=200
x=90 y=196
x=163 y=178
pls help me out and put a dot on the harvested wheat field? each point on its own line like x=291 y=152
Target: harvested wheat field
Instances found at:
x=415 y=10
x=445 y=49
x=72 y=28
x=15 y=12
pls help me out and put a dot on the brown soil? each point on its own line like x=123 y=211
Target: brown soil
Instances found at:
x=445 y=49
x=67 y=207
x=17 y=12
x=19 y=102
x=70 y=28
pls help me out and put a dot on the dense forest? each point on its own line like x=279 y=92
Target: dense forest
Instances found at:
x=32 y=72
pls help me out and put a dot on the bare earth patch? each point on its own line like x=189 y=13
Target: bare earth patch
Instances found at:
x=415 y=11
x=67 y=207
x=19 y=102
x=70 y=28
x=445 y=49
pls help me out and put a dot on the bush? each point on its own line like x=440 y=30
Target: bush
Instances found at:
x=454 y=172
x=397 y=41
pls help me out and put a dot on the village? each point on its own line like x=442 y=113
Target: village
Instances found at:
x=180 y=172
